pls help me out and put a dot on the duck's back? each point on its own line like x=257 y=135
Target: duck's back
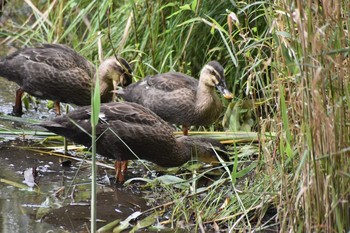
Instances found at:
x=140 y=129
x=50 y=71
x=169 y=95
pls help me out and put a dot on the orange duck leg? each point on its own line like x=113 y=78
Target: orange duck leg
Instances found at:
x=120 y=170
x=57 y=108
x=185 y=130
x=17 y=109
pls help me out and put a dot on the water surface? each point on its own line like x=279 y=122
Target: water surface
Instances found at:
x=63 y=203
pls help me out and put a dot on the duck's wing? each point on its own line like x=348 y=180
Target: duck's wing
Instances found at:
x=120 y=124
x=58 y=56
x=76 y=126
x=127 y=118
x=37 y=70
x=170 y=95
x=160 y=83
x=130 y=113
x=171 y=81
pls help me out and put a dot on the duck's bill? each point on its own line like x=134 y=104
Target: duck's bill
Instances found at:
x=223 y=90
x=227 y=94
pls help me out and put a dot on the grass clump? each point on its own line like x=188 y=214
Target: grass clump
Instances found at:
x=311 y=41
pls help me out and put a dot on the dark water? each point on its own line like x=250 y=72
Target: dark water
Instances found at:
x=23 y=209
x=17 y=204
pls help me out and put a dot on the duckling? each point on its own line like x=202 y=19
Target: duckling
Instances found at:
x=56 y=72
x=181 y=99
x=128 y=131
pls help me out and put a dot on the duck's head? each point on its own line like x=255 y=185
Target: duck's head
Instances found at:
x=116 y=69
x=212 y=75
x=205 y=150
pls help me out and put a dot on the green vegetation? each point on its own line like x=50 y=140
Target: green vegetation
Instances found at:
x=288 y=66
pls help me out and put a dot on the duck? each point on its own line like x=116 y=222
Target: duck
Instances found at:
x=57 y=72
x=180 y=99
x=129 y=131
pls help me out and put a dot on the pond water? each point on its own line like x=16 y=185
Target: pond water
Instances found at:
x=45 y=207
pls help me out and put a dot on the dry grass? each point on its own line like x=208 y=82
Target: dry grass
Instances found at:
x=315 y=88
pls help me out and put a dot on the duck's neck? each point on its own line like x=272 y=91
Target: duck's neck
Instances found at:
x=206 y=99
x=180 y=154
x=185 y=149
x=177 y=152
x=106 y=81
x=190 y=148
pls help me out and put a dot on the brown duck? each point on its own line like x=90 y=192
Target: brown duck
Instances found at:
x=56 y=72
x=181 y=99
x=128 y=131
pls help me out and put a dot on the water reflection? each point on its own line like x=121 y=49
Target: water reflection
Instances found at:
x=15 y=217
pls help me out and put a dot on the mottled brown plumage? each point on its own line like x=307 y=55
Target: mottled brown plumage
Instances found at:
x=181 y=99
x=56 y=72
x=145 y=133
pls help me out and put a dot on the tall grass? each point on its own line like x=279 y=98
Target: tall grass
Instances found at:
x=312 y=41
x=286 y=62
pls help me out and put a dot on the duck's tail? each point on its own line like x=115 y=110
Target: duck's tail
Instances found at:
x=51 y=126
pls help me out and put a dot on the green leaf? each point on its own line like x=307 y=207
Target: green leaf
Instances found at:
x=25 y=101
x=174 y=181
x=284 y=34
x=189 y=21
x=246 y=170
x=185 y=7
x=109 y=226
x=231 y=118
x=171 y=4
x=194 y=5
x=50 y=104
x=96 y=102
x=46 y=207
x=125 y=224
x=19 y=185
x=146 y=222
